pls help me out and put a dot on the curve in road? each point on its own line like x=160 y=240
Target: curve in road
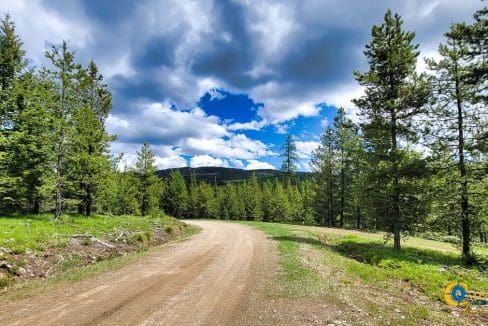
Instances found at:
x=207 y=280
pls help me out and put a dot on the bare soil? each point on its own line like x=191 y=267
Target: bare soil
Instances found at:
x=213 y=279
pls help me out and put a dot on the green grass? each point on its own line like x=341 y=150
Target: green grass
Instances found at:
x=39 y=232
x=28 y=237
x=355 y=269
x=74 y=274
x=410 y=241
x=427 y=265
x=297 y=279
x=428 y=270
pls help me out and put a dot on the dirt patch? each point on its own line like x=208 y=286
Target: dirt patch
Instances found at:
x=79 y=250
x=265 y=303
x=203 y=281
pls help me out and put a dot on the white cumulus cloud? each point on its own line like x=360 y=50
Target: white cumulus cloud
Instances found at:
x=256 y=165
x=207 y=160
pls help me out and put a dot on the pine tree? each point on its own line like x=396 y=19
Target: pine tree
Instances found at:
x=207 y=199
x=475 y=38
x=234 y=203
x=64 y=77
x=307 y=199
x=325 y=179
x=347 y=147
x=296 y=204
x=252 y=199
x=30 y=146
x=193 y=197
x=12 y=64
x=119 y=193
x=454 y=94
x=175 y=202
x=394 y=94
x=266 y=200
x=290 y=155
x=280 y=205
x=88 y=155
x=220 y=197
x=148 y=179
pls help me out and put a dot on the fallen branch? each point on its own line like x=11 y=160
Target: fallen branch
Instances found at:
x=46 y=274
x=75 y=235
x=88 y=236
x=108 y=245
x=120 y=236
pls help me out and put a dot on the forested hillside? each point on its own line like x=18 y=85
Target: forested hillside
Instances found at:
x=220 y=175
x=414 y=162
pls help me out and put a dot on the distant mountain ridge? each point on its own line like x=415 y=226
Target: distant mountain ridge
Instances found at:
x=220 y=175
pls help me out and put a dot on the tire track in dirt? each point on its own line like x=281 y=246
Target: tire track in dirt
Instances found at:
x=206 y=280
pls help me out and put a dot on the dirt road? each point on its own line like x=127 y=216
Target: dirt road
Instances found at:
x=211 y=279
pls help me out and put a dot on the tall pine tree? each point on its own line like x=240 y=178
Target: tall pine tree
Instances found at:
x=12 y=64
x=290 y=156
x=146 y=170
x=457 y=107
x=88 y=155
x=64 y=76
x=394 y=94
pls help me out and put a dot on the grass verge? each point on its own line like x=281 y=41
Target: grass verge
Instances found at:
x=297 y=279
x=41 y=253
x=367 y=281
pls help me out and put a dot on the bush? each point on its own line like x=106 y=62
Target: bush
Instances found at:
x=451 y=239
x=481 y=260
x=430 y=236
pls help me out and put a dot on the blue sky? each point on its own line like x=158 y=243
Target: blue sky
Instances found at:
x=223 y=82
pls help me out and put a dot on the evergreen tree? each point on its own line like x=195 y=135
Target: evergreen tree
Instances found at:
x=267 y=200
x=175 y=202
x=280 y=206
x=325 y=179
x=252 y=199
x=207 y=200
x=454 y=94
x=347 y=147
x=296 y=205
x=235 y=209
x=12 y=64
x=193 y=197
x=307 y=200
x=119 y=193
x=149 y=181
x=88 y=154
x=30 y=146
x=475 y=38
x=394 y=94
x=220 y=197
x=290 y=155
x=64 y=76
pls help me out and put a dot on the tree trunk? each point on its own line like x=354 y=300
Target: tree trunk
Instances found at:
x=396 y=190
x=89 y=201
x=342 y=188
x=358 y=218
x=36 y=207
x=89 y=187
x=462 y=172
x=57 y=209
x=331 y=198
